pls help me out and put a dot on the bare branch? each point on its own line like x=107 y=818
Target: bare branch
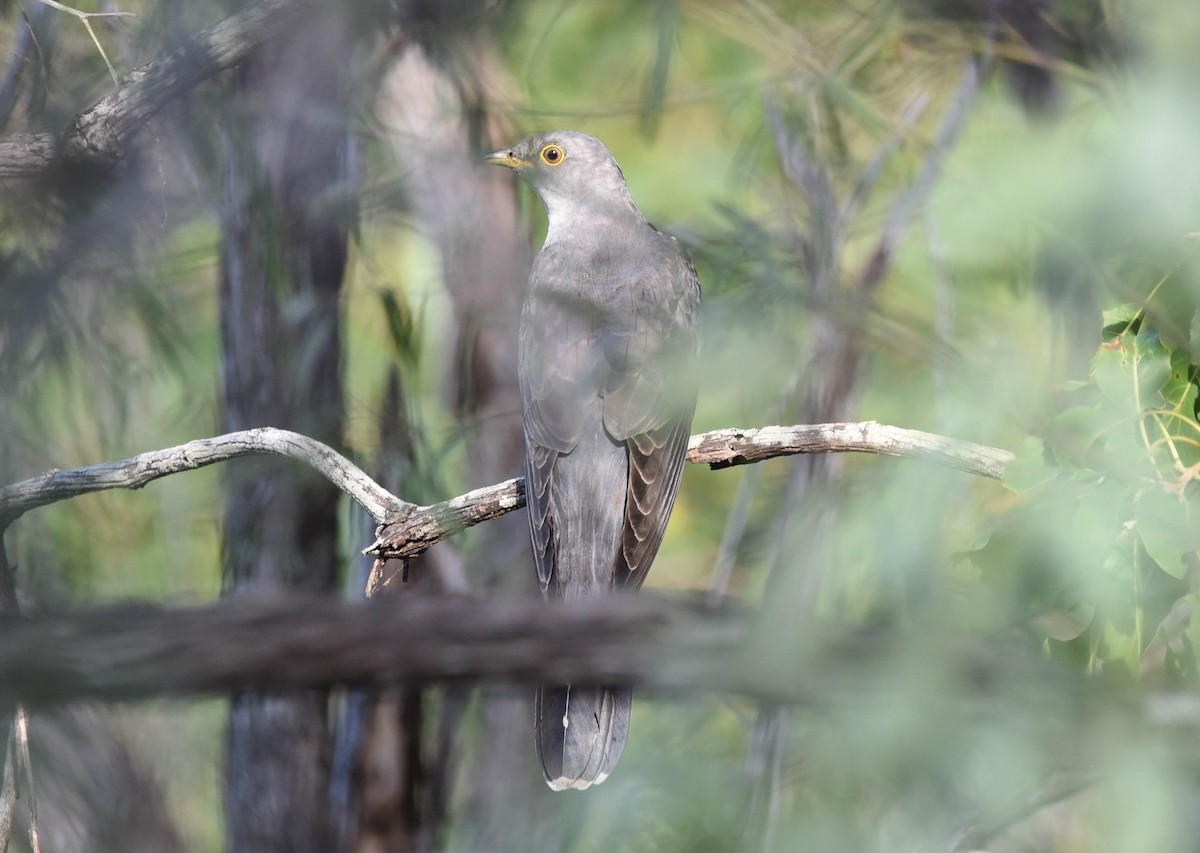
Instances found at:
x=26 y=154
x=53 y=486
x=101 y=134
x=427 y=525
x=724 y=448
x=721 y=448
x=406 y=530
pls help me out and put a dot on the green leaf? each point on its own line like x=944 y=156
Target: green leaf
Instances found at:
x=1073 y=432
x=1122 y=319
x=1168 y=637
x=1169 y=528
x=1028 y=470
x=1065 y=624
x=1178 y=388
x=1112 y=368
x=403 y=329
x=1153 y=363
x=1117 y=360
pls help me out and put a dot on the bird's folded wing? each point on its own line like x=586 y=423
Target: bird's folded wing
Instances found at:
x=649 y=399
x=655 y=466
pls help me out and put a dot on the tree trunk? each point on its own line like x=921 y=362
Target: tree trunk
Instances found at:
x=286 y=218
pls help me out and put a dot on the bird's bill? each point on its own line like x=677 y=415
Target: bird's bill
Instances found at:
x=506 y=158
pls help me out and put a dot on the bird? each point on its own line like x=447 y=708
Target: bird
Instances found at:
x=608 y=342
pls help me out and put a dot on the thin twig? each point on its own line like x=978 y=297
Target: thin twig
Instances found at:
x=101 y=134
x=26 y=764
x=86 y=19
x=874 y=168
x=981 y=832
x=8 y=793
x=901 y=214
x=733 y=534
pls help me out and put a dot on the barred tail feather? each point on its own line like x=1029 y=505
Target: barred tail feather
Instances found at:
x=580 y=733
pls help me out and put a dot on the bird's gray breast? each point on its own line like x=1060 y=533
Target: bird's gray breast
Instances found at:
x=602 y=322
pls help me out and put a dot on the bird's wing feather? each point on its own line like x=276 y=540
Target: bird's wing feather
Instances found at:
x=649 y=402
x=655 y=466
x=539 y=465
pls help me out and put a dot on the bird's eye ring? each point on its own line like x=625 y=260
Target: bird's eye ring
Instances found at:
x=552 y=155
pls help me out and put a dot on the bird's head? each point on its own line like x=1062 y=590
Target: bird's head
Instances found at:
x=574 y=174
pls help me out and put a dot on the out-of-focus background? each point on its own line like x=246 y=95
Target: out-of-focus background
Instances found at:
x=977 y=218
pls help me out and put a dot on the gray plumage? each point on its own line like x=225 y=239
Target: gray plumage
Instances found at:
x=608 y=342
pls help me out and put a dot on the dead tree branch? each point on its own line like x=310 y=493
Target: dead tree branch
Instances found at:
x=721 y=448
x=406 y=530
x=101 y=134
x=54 y=486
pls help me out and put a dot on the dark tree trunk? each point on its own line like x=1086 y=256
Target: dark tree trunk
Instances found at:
x=286 y=219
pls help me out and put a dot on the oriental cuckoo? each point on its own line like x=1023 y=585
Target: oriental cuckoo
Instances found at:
x=608 y=343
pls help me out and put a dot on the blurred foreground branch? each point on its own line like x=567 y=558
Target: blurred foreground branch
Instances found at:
x=101 y=134
x=135 y=652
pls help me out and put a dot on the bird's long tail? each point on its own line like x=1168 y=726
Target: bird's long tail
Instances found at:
x=580 y=733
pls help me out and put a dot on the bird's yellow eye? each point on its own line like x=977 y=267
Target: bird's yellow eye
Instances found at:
x=552 y=155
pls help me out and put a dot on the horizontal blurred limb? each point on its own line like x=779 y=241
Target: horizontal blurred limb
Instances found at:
x=406 y=530
x=134 y=652
x=100 y=136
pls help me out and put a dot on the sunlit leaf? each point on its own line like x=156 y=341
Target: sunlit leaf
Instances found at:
x=1120 y=320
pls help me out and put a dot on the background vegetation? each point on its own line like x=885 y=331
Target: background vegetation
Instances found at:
x=976 y=219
